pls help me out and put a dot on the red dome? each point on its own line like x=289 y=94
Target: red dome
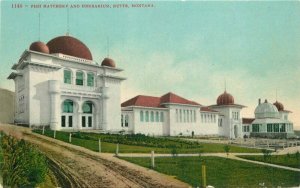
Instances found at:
x=69 y=46
x=279 y=106
x=225 y=99
x=39 y=47
x=108 y=62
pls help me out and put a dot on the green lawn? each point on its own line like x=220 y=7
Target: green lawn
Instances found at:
x=141 y=143
x=291 y=160
x=221 y=172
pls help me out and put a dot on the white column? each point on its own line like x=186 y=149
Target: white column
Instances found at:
x=54 y=91
x=104 y=108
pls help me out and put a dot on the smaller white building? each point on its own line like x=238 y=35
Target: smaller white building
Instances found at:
x=271 y=120
x=168 y=115
x=230 y=121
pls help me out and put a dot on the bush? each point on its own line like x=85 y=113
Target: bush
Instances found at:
x=23 y=165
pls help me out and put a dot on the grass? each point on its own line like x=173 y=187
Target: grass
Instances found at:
x=221 y=172
x=141 y=143
x=291 y=160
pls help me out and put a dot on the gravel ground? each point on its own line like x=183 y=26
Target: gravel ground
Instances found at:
x=75 y=166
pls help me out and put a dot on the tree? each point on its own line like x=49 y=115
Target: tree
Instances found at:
x=227 y=149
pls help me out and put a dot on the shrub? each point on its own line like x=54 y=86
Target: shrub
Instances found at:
x=23 y=165
x=227 y=149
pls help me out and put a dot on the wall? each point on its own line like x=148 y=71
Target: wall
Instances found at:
x=7 y=103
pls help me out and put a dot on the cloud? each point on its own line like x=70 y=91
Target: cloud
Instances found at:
x=197 y=78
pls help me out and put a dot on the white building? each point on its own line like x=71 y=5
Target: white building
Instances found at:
x=173 y=115
x=271 y=120
x=59 y=85
x=230 y=121
x=167 y=115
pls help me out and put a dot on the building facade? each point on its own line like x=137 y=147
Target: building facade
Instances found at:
x=59 y=85
x=172 y=115
x=271 y=120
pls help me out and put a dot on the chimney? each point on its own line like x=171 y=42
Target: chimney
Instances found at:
x=259 y=101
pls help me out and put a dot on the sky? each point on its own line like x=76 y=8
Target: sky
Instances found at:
x=186 y=47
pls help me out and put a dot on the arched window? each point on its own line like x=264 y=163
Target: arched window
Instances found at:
x=161 y=117
x=90 y=79
x=79 y=78
x=67 y=77
x=126 y=120
x=147 y=116
x=141 y=116
x=68 y=106
x=87 y=107
x=156 y=117
x=152 y=116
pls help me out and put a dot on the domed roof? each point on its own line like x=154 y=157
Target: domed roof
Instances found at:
x=266 y=110
x=279 y=106
x=69 y=46
x=108 y=62
x=39 y=47
x=225 y=99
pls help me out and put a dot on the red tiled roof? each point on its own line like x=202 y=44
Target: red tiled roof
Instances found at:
x=206 y=109
x=156 y=102
x=173 y=98
x=142 y=100
x=247 y=120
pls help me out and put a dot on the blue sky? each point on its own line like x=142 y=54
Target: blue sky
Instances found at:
x=188 y=48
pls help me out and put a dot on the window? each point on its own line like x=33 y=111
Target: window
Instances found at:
x=141 y=116
x=255 y=128
x=126 y=120
x=87 y=107
x=122 y=121
x=68 y=106
x=269 y=128
x=147 y=116
x=63 y=121
x=156 y=117
x=187 y=116
x=67 y=77
x=70 y=121
x=177 y=117
x=202 y=118
x=152 y=116
x=90 y=79
x=79 y=78
x=195 y=116
x=180 y=115
x=184 y=116
x=276 y=127
x=83 y=121
x=161 y=117
x=282 y=128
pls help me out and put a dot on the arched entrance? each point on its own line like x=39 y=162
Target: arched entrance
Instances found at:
x=87 y=117
x=67 y=118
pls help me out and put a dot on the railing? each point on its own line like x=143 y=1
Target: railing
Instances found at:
x=78 y=88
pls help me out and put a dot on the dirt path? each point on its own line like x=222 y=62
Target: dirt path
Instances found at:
x=84 y=168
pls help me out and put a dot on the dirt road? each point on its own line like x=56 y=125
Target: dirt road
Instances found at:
x=79 y=167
